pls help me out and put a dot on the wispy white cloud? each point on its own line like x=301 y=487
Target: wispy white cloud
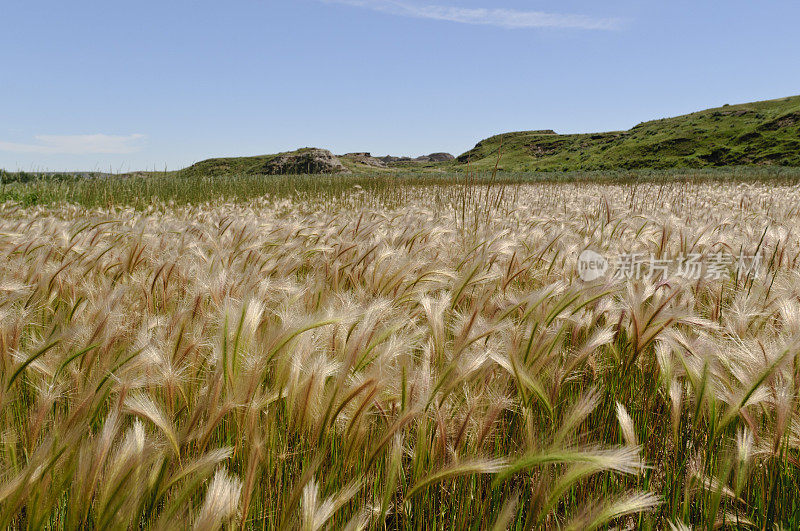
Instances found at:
x=77 y=144
x=504 y=18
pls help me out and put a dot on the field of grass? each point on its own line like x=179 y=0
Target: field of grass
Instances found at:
x=311 y=353
x=156 y=190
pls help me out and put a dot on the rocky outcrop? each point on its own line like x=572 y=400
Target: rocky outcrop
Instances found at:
x=441 y=157
x=364 y=158
x=436 y=157
x=307 y=160
x=433 y=157
x=388 y=159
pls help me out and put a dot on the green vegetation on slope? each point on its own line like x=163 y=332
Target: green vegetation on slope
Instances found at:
x=762 y=133
x=229 y=166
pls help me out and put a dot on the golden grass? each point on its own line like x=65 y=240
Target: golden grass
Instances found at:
x=296 y=365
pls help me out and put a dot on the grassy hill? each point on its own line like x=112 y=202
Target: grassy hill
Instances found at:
x=751 y=134
x=264 y=164
x=762 y=133
x=759 y=134
x=228 y=166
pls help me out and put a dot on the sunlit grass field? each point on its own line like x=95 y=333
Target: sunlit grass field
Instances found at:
x=397 y=354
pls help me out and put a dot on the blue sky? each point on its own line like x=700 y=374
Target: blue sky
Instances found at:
x=143 y=85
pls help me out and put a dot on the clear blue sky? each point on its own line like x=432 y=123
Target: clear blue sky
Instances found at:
x=146 y=84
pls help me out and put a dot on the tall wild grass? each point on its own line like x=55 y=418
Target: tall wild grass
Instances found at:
x=360 y=355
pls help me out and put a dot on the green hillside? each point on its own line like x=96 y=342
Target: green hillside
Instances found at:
x=228 y=166
x=762 y=133
x=751 y=134
x=304 y=160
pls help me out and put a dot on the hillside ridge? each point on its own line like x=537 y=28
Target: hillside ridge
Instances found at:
x=747 y=134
